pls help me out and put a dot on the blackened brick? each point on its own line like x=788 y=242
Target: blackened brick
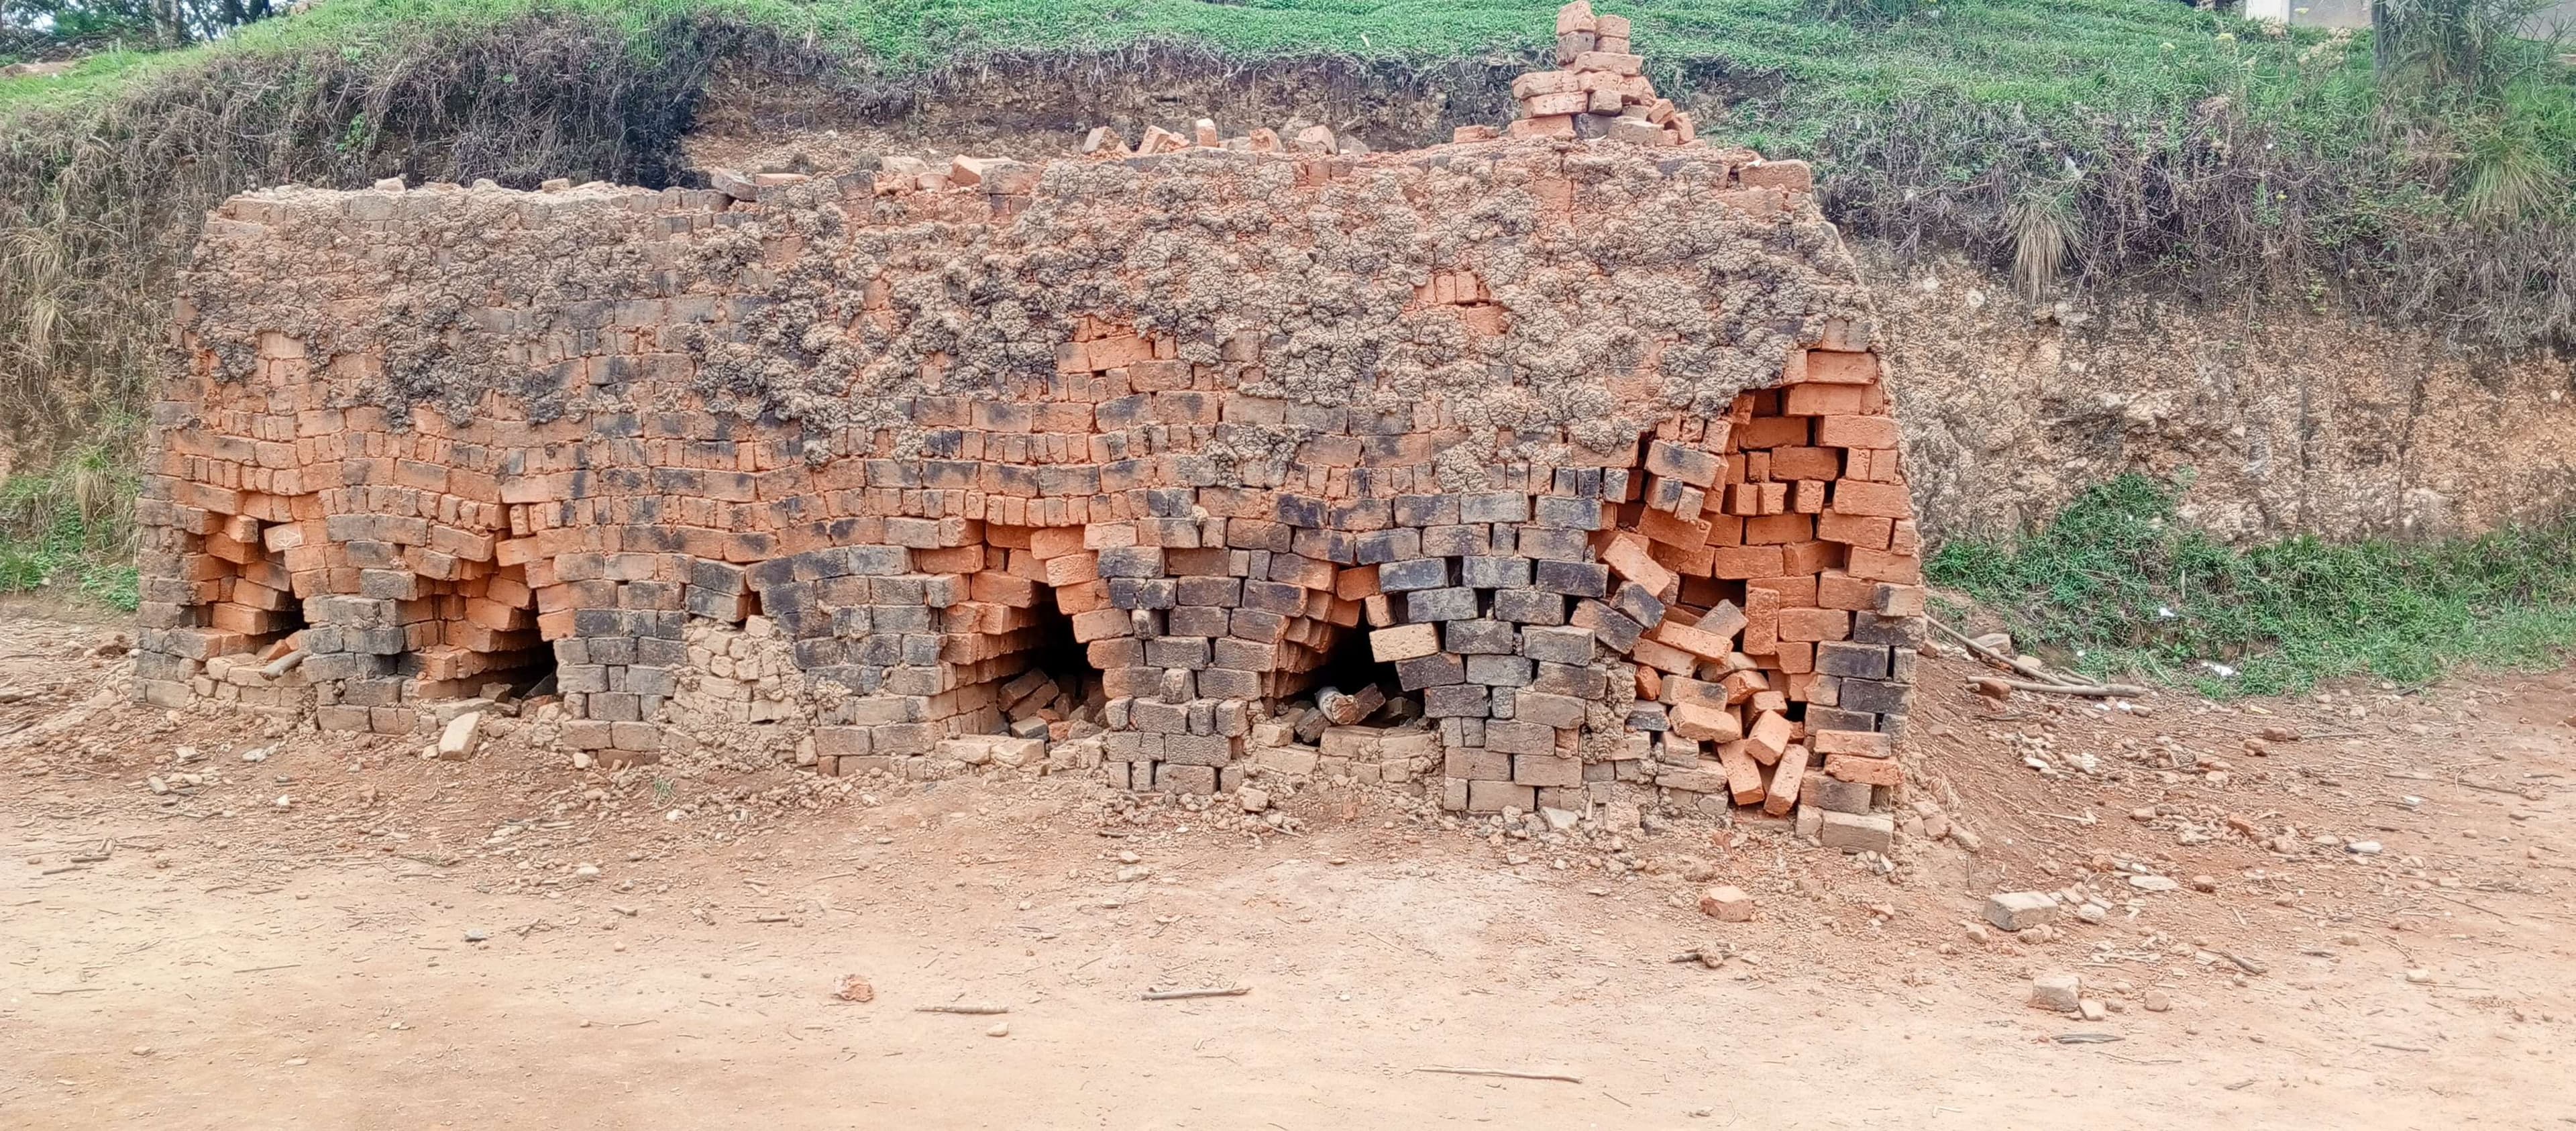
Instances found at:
x=1142 y=592
x=1473 y=637
x=1439 y=604
x=1426 y=510
x=1529 y=606
x=1457 y=700
x=1840 y=657
x=1430 y=671
x=1396 y=544
x=1574 y=579
x=1416 y=573
x=1494 y=573
x=1494 y=506
x=1500 y=671
x=1557 y=645
x=1552 y=543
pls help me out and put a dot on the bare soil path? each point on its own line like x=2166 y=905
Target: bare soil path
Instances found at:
x=233 y=963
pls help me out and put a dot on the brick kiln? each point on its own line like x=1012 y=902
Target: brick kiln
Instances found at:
x=1542 y=470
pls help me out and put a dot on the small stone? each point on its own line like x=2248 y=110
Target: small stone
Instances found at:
x=2020 y=910
x=462 y=734
x=2204 y=883
x=1727 y=904
x=141 y=1050
x=1001 y=1030
x=2059 y=992
x=2363 y=848
x=855 y=988
x=477 y=936
x=2091 y=1009
x=2155 y=1001
x=585 y=871
x=2154 y=883
x=1253 y=798
x=2419 y=975
x=2093 y=913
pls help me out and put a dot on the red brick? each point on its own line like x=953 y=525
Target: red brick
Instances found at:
x=1806 y=463
x=1837 y=590
x=1782 y=793
x=1867 y=771
x=1814 y=399
x=1772 y=432
x=1872 y=500
x=1881 y=565
x=1768 y=738
x=1743 y=774
x=1871 y=531
x=1841 y=367
x=1814 y=624
x=1779 y=529
x=1856 y=431
x=1869 y=744
x=1630 y=556
x=1738 y=562
x=1761 y=621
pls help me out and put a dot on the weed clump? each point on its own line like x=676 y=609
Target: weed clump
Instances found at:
x=2120 y=585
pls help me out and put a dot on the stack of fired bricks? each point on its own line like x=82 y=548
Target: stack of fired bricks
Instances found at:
x=1600 y=90
x=1720 y=611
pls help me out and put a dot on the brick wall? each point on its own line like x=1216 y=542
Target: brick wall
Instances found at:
x=1582 y=428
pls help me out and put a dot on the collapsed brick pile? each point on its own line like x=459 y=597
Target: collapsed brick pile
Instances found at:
x=1546 y=473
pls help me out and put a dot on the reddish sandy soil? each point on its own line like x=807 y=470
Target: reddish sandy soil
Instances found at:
x=206 y=958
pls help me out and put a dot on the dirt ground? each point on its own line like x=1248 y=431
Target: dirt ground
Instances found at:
x=509 y=941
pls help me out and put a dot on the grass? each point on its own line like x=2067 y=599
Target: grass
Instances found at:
x=70 y=531
x=2121 y=588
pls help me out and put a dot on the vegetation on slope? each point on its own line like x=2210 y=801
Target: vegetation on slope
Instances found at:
x=2121 y=587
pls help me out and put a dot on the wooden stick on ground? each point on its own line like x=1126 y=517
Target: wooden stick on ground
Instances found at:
x=2106 y=690
x=979 y=1010
x=1508 y=1072
x=2032 y=670
x=1176 y=995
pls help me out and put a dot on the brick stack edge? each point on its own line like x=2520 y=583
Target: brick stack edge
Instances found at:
x=1720 y=611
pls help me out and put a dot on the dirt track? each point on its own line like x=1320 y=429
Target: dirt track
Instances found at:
x=308 y=966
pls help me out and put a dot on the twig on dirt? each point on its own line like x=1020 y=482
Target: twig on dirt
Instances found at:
x=977 y=1010
x=2096 y=690
x=2469 y=905
x=1990 y=655
x=2398 y=1047
x=279 y=966
x=73 y=990
x=2467 y=784
x=2243 y=963
x=1511 y=1073
x=60 y=869
x=769 y=918
x=1176 y=995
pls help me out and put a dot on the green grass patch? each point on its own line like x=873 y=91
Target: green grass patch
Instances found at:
x=70 y=531
x=2118 y=587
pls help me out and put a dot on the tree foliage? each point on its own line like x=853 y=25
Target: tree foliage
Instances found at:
x=132 y=23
